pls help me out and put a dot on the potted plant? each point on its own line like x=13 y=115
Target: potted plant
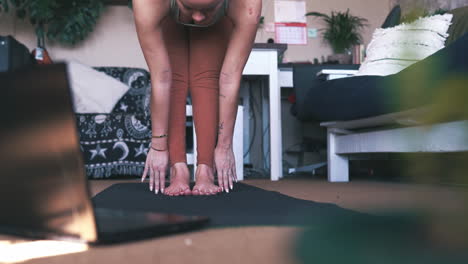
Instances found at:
x=342 y=32
x=65 y=22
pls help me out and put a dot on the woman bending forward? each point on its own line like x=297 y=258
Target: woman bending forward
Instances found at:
x=199 y=46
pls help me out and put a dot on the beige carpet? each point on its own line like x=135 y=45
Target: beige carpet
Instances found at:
x=263 y=244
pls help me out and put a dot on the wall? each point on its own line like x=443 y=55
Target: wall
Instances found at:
x=114 y=41
x=374 y=11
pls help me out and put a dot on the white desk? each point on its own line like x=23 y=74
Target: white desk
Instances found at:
x=265 y=62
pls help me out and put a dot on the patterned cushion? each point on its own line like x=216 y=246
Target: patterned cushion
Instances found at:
x=93 y=91
x=137 y=99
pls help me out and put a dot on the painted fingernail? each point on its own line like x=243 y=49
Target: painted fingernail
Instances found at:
x=157 y=191
x=151 y=188
x=227 y=190
x=231 y=187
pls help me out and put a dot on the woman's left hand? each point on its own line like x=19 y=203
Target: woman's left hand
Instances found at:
x=225 y=165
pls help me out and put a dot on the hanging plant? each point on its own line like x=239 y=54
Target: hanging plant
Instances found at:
x=63 y=21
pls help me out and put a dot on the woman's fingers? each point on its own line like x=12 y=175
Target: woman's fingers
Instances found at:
x=220 y=178
x=162 y=180
x=145 y=172
x=230 y=178
x=156 y=181
x=233 y=174
x=226 y=180
x=151 y=179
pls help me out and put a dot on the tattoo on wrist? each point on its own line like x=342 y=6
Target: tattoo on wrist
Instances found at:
x=220 y=127
x=222 y=95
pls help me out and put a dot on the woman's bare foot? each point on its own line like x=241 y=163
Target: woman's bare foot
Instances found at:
x=180 y=179
x=205 y=181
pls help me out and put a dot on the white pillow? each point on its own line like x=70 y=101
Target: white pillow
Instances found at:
x=393 y=49
x=93 y=91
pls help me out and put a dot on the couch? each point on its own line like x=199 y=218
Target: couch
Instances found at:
x=403 y=112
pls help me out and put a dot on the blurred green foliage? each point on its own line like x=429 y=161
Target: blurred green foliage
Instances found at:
x=64 y=22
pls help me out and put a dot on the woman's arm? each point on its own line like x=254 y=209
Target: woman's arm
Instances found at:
x=148 y=17
x=245 y=15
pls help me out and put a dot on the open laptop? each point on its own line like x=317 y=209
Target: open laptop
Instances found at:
x=43 y=186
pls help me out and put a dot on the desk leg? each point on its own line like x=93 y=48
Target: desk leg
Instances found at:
x=276 y=159
x=194 y=152
x=266 y=154
x=238 y=142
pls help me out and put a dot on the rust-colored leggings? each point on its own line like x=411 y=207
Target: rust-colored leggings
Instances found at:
x=196 y=57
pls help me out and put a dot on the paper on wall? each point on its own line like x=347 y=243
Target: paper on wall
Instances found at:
x=290 y=11
x=291 y=33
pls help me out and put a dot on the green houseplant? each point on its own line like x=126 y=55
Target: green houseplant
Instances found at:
x=342 y=32
x=63 y=21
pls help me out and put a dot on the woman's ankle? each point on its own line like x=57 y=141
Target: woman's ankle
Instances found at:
x=203 y=170
x=179 y=165
x=180 y=169
x=208 y=166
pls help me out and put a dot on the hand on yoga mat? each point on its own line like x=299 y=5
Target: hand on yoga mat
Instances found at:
x=225 y=165
x=155 y=167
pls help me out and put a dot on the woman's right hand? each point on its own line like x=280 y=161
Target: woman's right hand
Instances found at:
x=155 y=167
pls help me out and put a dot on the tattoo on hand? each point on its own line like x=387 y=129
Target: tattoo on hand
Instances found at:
x=222 y=95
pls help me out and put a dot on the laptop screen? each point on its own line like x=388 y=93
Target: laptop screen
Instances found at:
x=43 y=188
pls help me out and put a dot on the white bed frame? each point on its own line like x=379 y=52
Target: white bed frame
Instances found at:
x=373 y=135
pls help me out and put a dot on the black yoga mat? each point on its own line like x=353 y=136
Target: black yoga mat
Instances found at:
x=331 y=235
x=245 y=205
